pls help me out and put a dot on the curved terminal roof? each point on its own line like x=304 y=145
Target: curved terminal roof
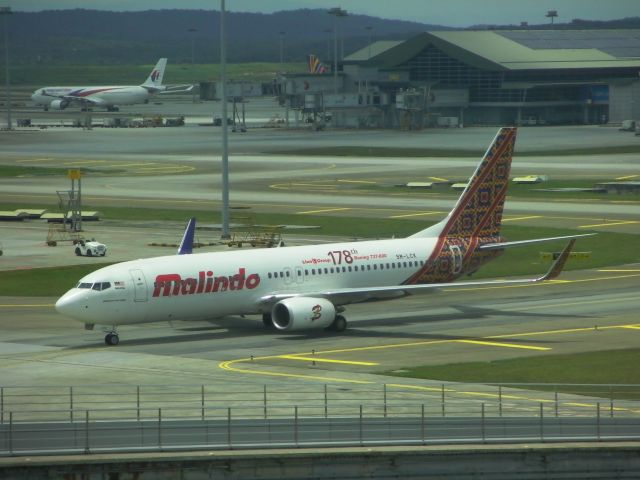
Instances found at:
x=514 y=49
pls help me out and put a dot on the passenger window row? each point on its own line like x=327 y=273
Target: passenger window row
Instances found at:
x=350 y=268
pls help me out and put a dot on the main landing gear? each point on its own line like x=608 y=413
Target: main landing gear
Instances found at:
x=112 y=338
x=338 y=325
x=267 y=320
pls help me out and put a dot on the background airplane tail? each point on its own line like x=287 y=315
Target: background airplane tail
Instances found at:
x=154 y=79
x=478 y=212
x=315 y=65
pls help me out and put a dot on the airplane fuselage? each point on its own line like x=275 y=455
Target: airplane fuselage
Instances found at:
x=101 y=96
x=209 y=285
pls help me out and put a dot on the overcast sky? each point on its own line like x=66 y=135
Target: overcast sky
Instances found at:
x=454 y=13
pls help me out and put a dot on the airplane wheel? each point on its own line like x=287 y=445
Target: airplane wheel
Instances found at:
x=89 y=254
x=78 y=253
x=267 y=320
x=339 y=324
x=112 y=339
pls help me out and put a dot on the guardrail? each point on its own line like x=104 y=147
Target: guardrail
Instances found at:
x=301 y=426
x=134 y=402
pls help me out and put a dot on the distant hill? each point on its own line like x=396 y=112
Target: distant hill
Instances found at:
x=111 y=38
x=94 y=37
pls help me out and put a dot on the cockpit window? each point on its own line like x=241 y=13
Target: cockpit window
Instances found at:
x=99 y=286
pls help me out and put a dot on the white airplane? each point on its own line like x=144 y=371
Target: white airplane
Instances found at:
x=109 y=97
x=307 y=287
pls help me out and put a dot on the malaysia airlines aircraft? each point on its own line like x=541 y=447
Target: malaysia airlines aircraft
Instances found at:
x=307 y=287
x=109 y=97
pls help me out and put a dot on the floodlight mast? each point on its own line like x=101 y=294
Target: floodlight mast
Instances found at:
x=336 y=12
x=282 y=34
x=5 y=12
x=225 y=129
x=552 y=14
x=193 y=31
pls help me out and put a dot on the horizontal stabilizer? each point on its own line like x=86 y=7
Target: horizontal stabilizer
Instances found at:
x=520 y=243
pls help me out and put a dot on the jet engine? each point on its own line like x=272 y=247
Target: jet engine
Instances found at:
x=59 y=104
x=303 y=313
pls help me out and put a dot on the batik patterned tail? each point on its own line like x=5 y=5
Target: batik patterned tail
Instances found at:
x=476 y=218
x=478 y=212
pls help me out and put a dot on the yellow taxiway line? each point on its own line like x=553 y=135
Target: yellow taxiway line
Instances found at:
x=421 y=214
x=323 y=210
x=19 y=305
x=358 y=181
x=230 y=365
x=506 y=345
x=326 y=360
x=521 y=218
x=609 y=224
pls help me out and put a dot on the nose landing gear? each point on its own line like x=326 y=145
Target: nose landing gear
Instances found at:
x=112 y=338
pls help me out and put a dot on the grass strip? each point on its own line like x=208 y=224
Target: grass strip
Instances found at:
x=605 y=373
x=43 y=282
x=605 y=249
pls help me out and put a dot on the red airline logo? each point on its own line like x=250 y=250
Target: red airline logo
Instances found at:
x=171 y=284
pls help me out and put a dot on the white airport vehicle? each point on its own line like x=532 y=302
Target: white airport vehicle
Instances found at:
x=307 y=287
x=90 y=248
x=109 y=97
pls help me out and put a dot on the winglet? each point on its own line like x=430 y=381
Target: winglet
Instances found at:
x=558 y=265
x=186 y=245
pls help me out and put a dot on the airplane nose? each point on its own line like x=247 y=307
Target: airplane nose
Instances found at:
x=72 y=304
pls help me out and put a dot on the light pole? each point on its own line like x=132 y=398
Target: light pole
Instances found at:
x=328 y=32
x=552 y=14
x=336 y=12
x=225 y=127
x=193 y=72
x=5 y=12
x=368 y=28
x=282 y=34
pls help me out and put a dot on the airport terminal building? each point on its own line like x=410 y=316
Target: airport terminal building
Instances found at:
x=489 y=77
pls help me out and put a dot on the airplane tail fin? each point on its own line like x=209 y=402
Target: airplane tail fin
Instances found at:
x=478 y=212
x=315 y=65
x=186 y=245
x=154 y=80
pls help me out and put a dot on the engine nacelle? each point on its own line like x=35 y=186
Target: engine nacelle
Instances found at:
x=303 y=313
x=59 y=104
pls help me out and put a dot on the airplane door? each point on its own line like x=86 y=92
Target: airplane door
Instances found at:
x=456 y=258
x=139 y=285
x=288 y=275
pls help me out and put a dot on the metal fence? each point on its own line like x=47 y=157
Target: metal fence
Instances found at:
x=140 y=402
x=364 y=425
x=154 y=417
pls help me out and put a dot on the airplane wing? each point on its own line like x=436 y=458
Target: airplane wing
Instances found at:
x=343 y=296
x=176 y=89
x=520 y=243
